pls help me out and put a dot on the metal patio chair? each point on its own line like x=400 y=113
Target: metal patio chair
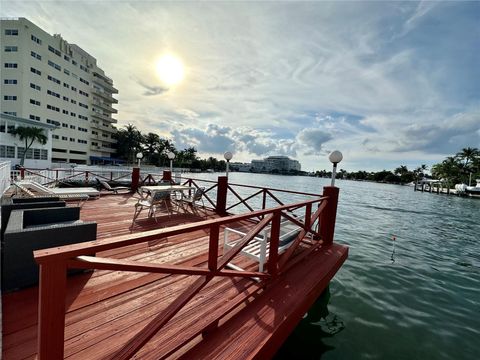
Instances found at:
x=192 y=201
x=161 y=197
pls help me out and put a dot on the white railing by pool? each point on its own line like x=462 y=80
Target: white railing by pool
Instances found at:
x=4 y=176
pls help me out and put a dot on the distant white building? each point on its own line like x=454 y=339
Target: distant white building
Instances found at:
x=276 y=163
x=49 y=81
x=12 y=148
x=242 y=167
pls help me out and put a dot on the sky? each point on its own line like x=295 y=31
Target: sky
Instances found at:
x=386 y=83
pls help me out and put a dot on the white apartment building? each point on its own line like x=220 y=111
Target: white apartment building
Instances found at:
x=49 y=81
x=275 y=163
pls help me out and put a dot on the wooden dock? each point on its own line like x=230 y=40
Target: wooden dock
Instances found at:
x=163 y=291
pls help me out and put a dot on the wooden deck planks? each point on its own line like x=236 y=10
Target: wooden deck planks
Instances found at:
x=276 y=313
x=105 y=309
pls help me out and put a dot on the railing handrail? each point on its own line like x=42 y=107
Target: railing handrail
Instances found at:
x=86 y=248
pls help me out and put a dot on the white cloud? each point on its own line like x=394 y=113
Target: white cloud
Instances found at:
x=371 y=79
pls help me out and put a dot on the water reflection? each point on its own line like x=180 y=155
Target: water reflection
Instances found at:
x=305 y=342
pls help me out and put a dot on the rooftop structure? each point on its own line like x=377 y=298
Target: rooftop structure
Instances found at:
x=49 y=81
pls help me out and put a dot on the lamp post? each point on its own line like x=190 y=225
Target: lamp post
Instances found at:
x=171 y=156
x=139 y=158
x=335 y=157
x=228 y=156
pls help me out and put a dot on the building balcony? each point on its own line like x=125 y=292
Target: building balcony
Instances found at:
x=104 y=106
x=102 y=127
x=105 y=95
x=103 y=117
x=105 y=84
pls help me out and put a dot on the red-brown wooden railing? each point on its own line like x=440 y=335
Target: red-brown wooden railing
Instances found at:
x=55 y=262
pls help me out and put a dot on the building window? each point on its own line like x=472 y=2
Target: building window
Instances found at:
x=53 y=50
x=53 y=93
x=66 y=71
x=11 y=48
x=43 y=154
x=64 y=125
x=54 y=108
x=83 y=68
x=10 y=129
x=66 y=99
x=74 y=88
x=10 y=81
x=65 y=111
x=73 y=114
x=13 y=113
x=35 y=71
x=84 y=81
x=73 y=101
x=66 y=57
x=72 y=127
x=54 y=122
x=65 y=85
x=55 y=66
x=64 y=138
x=36 y=40
x=82 y=141
x=74 y=62
x=34 y=102
x=83 y=117
x=11 y=65
x=35 y=55
x=56 y=137
x=55 y=80
x=33 y=117
x=7 y=151
x=72 y=139
x=83 y=105
x=35 y=87
x=11 y=32
x=10 y=97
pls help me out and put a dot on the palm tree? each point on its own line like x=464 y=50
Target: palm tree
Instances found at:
x=151 y=142
x=129 y=141
x=30 y=135
x=469 y=157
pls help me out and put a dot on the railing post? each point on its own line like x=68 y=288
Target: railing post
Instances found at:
x=167 y=175
x=51 y=310
x=135 y=178
x=329 y=214
x=222 y=195
x=308 y=216
x=22 y=173
x=86 y=177
x=213 y=247
x=274 y=241
x=56 y=175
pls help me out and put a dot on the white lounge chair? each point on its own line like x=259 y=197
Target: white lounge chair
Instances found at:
x=115 y=189
x=32 y=189
x=258 y=248
x=193 y=200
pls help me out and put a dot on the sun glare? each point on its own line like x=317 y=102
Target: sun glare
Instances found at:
x=170 y=69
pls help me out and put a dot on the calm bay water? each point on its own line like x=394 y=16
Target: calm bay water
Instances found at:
x=416 y=299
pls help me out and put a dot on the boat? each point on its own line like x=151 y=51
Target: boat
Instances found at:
x=463 y=189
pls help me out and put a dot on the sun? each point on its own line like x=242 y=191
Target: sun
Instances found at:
x=170 y=69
